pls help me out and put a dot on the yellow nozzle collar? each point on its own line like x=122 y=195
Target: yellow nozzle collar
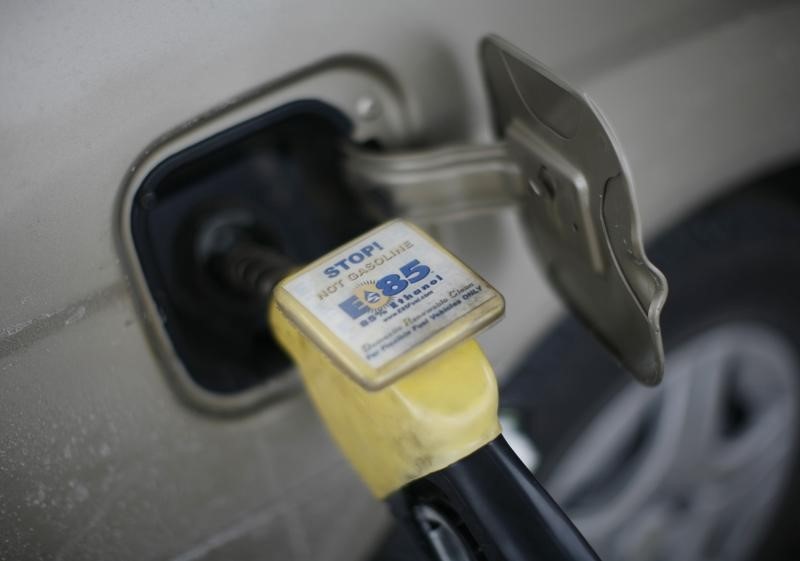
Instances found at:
x=423 y=422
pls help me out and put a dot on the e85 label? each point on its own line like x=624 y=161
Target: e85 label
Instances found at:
x=372 y=296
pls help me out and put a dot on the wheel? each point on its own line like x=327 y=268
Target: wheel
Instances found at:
x=705 y=467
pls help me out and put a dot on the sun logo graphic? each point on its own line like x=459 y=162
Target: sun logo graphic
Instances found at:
x=371 y=296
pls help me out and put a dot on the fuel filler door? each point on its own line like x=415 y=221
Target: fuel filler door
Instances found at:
x=581 y=214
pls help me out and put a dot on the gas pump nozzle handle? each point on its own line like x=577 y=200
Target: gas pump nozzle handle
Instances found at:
x=489 y=506
x=420 y=427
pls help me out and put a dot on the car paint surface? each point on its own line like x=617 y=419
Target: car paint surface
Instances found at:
x=99 y=458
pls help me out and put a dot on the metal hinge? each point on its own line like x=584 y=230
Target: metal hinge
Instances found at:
x=440 y=183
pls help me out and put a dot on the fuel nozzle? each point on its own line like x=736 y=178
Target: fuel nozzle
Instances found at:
x=382 y=332
x=238 y=257
x=249 y=268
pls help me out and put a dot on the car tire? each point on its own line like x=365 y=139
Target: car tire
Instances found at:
x=732 y=267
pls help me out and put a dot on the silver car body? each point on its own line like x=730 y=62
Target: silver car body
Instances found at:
x=99 y=457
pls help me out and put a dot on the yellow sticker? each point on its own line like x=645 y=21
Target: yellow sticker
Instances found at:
x=387 y=302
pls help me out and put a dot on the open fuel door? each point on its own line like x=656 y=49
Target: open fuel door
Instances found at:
x=580 y=212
